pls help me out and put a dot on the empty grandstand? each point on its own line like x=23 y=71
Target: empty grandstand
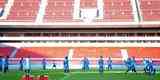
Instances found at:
x=54 y=29
x=80 y=13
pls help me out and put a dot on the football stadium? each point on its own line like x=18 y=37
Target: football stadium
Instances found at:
x=79 y=39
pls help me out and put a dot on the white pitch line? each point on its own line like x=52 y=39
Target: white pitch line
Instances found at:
x=112 y=72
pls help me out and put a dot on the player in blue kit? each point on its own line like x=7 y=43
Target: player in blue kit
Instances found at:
x=66 y=65
x=21 y=64
x=133 y=64
x=1 y=63
x=151 y=69
x=44 y=63
x=85 y=64
x=130 y=63
x=6 y=63
x=145 y=63
x=101 y=64
x=109 y=61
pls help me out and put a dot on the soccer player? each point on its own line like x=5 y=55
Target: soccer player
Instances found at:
x=27 y=65
x=101 y=64
x=109 y=61
x=21 y=64
x=145 y=63
x=44 y=63
x=1 y=63
x=54 y=65
x=6 y=63
x=133 y=64
x=85 y=64
x=151 y=69
x=66 y=65
x=130 y=63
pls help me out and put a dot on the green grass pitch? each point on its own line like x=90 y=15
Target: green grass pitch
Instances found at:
x=79 y=75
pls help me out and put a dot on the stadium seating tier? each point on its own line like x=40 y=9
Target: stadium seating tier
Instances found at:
x=59 y=10
x=150 y=10
x=118 y=10
x=2 y=3
x=144 y=52
x=80 y=52
x=42 y=52
x=62 y=10
x=6 y=51
x=88 y=3
x=24 y=10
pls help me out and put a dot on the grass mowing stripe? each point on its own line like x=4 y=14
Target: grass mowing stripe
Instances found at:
x=79 y=75
x=65 y=77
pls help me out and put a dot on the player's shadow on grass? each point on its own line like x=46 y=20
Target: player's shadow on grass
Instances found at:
x=151 y=77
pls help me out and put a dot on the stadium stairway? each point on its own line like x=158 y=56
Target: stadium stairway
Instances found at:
x=100 y=7
x=6 y=5
x=135 y=10
x=76 y=9
x=14 y=52
x=41 y=11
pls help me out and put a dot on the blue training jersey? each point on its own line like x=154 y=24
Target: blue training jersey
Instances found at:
x=129 y=63
x=101 y=62
x=65 y=63
x=1 y=61
x=109 y=62
x=145 y=62
x=44 y=62
x=150 y=66
x=133 y=63
x=85 y=63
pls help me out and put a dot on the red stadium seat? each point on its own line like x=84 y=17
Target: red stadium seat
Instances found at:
x=88 y=3
x=92 y=52
x=87 y=52
x=150 y=10
x=6 y=51
x=144 y=52
x=23 y=10
x=118 y=10
x=42 y=52
x=2 y=3
x=59 y=10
